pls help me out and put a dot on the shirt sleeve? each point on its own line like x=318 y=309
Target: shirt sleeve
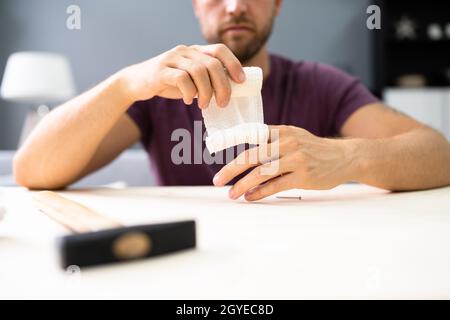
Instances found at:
x=342 y=94
x=139 y=112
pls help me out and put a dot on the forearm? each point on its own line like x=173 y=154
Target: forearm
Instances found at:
x=418 y=159
x=66 y=139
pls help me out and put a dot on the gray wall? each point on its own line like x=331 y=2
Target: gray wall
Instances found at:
x=116 y=33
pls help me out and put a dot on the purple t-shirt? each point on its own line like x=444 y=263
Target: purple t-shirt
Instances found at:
x=313 y=96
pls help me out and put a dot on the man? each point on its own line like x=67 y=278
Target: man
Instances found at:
x=312 y=102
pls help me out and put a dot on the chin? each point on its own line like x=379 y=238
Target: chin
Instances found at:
x=237 y=45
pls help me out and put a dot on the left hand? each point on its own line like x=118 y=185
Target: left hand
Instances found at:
x=293 y=158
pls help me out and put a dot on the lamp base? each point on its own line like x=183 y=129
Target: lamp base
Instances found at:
x=34 y=116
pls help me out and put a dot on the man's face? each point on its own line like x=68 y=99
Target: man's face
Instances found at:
x=242 y=25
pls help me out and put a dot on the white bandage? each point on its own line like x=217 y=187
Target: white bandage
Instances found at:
x=242 y=120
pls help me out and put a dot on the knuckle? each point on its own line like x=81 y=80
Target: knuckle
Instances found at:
x=219 y=48
x=288 y=142
x=214 y=64
x=181 y=77
x=180 y=48
x=197 y=70
x=168 y=55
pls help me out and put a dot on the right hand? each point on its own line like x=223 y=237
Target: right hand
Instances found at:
x=186 y=73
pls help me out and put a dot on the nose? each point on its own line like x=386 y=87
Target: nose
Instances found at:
x=236 y=7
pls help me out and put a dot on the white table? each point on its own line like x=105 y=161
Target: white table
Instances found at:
x=350 y=242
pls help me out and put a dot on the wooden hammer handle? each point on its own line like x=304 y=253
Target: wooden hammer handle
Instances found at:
x=73 y=215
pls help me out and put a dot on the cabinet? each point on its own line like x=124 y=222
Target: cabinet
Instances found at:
x=429 y=105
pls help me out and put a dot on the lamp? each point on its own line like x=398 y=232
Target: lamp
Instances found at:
x=37 y=78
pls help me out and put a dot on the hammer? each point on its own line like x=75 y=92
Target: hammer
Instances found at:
x=97 y=239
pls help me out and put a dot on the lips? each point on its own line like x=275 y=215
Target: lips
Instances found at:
x=237 y=28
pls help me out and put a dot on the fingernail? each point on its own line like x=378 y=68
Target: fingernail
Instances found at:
x=232 y=194
x=242 y=76
x=216 y=180
x=248 y=196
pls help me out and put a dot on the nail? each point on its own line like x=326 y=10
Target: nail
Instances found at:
x=216 y=180
x=250 y=192
x=242 y=76
x=232 y=194
x=248 y=196
x=224 y=104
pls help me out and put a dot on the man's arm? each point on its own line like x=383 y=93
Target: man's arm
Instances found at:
x=396 y=152
x=90 y=130
x=381 y=147
x=76 y=138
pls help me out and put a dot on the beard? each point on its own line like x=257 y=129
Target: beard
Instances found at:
x=247 y=46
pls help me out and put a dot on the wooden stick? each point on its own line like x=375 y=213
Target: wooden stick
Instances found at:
x=75 y=216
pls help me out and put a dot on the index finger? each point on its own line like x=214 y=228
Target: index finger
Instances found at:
x=245 y=160
x=228 y=59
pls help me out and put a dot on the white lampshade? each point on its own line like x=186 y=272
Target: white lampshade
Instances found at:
x=37 y=77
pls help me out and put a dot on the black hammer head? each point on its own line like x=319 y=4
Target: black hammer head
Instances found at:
x=125 y=244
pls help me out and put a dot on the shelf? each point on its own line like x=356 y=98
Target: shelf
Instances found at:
x=395 y=42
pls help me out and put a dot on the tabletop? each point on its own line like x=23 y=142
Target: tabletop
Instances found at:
x=353 y=241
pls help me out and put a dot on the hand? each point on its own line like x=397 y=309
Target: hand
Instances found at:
x=185 y=72
x=293 y=158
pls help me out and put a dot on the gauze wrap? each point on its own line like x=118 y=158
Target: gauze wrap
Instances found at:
x=242 y=120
